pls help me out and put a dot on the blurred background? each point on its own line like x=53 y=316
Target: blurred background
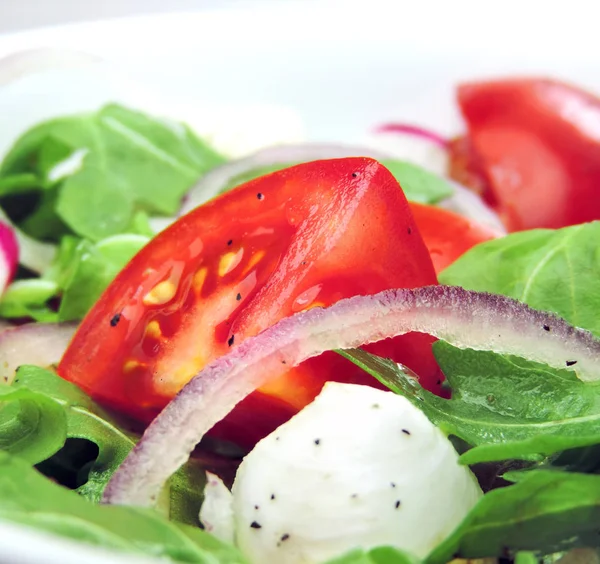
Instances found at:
x=17 y=15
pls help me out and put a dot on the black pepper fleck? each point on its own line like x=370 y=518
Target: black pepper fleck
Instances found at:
x=354 y=174
x=255 y=525
x=230 y=242
x=303 y=263
x=317 y=441
x=392 y=484
x=571 y=362
x=546 y=327
x=397 y=504
x=256 y=507
x=406 y=431
x=272 y=496
x=115 y=320
x=231 y=339
x=260 y=196
x=238 y=297
x=285 y=537
x=438 y=382
x=354 y=496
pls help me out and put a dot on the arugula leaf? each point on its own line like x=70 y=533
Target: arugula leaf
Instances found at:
x=556 y=271
x=418 y=184
x=114 y=438
x=85 y=420
x=536 y=448
x=32 y=426
x=93 y=172
x=31 y=499
x=84 y=271
x=29 y=298
x=497 y=399
x=545 y=511
x=379 y=555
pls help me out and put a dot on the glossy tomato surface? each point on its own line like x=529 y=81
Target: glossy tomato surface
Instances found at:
x=299 y=238
x=533 y=148
x=448 y=235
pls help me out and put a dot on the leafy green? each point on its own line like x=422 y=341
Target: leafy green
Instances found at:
x=87 y=269
x=536 y=448
x=85 y=420
x=556 y=271
x=418 y=184
x=379 y=555
x=545 y=511
x=113 y=438
x=90 y=174
x=30 y=499
x=29 y=298
x=32 y=426
x=498 y=399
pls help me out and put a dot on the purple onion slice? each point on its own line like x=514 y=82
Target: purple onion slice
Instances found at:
x=465 y=319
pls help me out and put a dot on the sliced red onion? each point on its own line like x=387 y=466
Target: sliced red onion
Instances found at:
x=415 y=131
x=213 y=183
x=9 y=255
x=469 y=204
x=42 y=344
x=463 y=318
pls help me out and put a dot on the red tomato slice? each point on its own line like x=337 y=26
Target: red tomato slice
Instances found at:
x=448 y=235
x=536 y=145
x=299 y=238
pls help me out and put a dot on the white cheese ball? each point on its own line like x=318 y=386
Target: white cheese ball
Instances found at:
x=358 y=467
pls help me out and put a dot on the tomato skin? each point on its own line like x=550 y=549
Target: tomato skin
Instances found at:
x=303 y=237
x=536 y=144
x=448 y=235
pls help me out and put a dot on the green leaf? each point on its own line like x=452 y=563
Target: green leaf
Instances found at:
x=419 y=185
x=85 y=420
x=30 y=499
x=114 y=438
x=32 y=426
x=95 y=203
x=379 y=555
x=86 y=270
x=497 y=399
x=545 y=512
x=92 y=173
x=556 y=271
x=535 y=448
x=29 y=298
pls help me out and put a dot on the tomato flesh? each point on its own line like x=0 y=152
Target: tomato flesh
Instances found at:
x=533 y=148
x=448 y=235
x=299 y=238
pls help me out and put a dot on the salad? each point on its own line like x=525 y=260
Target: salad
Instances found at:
x=312 y=353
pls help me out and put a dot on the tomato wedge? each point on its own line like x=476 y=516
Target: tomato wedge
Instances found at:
x=448 y=235
x=533 y=147
x=303 y=237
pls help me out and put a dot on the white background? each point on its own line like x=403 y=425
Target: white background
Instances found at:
x=16 y=15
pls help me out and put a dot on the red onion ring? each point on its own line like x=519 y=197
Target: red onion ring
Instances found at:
x=9 y=255
x=465 y=319
x=415 y=131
